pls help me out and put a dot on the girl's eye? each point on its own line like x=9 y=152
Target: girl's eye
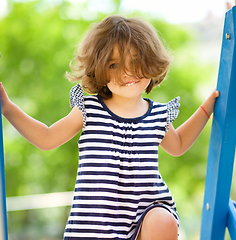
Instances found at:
x=113 y=65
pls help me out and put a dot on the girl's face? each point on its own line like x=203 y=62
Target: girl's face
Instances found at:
x=130 y=85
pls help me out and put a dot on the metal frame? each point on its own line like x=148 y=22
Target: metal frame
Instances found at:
x=3 y=209
x=218 y=210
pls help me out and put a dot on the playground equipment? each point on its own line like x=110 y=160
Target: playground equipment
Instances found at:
x=3 y=209
x=219 y=211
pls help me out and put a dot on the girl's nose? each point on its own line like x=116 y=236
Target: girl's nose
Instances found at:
x=126 y=73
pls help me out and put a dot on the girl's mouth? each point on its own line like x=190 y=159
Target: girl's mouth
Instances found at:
x=129 y=84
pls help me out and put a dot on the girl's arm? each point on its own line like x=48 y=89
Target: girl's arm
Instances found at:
x=37 y=133
x=177 y=142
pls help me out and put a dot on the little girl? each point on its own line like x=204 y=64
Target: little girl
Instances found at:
x=119 y=192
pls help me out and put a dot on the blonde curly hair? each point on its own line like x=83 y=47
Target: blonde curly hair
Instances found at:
x=94 y=53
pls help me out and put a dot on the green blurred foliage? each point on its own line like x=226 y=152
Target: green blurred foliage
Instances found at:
x=37 y=43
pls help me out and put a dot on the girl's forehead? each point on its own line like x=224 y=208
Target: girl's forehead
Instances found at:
x=116 y=52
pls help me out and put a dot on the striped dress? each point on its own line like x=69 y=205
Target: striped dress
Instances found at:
x=118 y=179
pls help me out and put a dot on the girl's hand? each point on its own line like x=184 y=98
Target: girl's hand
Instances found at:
x=4 y=99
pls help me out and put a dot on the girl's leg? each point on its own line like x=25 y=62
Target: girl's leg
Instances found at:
x=158 y=224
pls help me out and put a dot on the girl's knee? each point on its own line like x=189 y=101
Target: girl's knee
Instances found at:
x=159 y=224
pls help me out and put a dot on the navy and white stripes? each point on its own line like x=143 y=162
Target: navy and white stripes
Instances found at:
x=118 y=177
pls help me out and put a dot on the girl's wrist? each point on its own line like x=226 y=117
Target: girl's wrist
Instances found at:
x=204 y=110
x=207 y=107
x=7 y=108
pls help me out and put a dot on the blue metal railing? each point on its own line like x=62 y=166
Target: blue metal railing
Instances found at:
x=3 y=209
x=218 y=211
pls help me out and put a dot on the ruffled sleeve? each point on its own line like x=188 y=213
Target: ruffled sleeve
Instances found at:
x=77 y=99
x=172 y=111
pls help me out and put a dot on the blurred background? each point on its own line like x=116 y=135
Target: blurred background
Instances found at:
x=37 y=42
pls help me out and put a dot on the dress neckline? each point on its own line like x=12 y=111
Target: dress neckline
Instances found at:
x=136 y=119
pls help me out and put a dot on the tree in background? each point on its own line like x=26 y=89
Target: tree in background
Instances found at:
x=37 y=43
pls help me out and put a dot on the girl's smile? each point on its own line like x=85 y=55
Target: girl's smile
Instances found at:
x=131 y=87
x=128 y=84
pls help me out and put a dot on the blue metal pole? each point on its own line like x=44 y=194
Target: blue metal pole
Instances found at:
x=222 y=140
x=3 y=209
